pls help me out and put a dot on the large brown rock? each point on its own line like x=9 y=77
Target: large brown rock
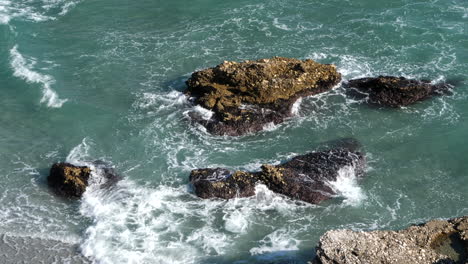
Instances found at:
x=69 y=180
x=248 y=95
x=395 y=91
x=438 y=241
x=305 y=177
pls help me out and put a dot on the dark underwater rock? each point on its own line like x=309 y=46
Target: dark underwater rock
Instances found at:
x=305 y=177
x=248 y=95
x=69 y=180
x=437 y=241
x=394 y=91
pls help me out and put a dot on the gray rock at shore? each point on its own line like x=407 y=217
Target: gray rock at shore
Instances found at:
x=437 y=241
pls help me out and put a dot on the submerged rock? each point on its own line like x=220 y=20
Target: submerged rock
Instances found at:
x=71 y=181
x=246 y=96
x=305 y=177
x=395 y=91
x=437 y=241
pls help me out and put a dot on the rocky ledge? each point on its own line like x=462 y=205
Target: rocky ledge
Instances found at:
x=246 y=96
x=437 y=241
x=305 y=177
x=394 y=91
x=69 y=180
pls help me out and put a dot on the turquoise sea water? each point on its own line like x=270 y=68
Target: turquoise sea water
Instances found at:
x=83 y=80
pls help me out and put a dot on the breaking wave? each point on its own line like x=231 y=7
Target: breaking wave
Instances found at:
x=24 y=68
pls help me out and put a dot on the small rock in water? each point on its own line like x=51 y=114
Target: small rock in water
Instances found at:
x=437 y=241
x=246 y=96
x=394 y=91
x=305 y=177
x=71 y=181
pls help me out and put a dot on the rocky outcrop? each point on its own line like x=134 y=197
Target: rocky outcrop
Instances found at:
x=222 y=183
x=438 y=241
x=69 y=180
x=246 y=96
x=394 y=91
x=305 y=177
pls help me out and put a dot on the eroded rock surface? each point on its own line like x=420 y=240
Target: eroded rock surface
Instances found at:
x=69 y=180
x=437 y=241
x=248 y=95
x=305 y=177
x=395 y=91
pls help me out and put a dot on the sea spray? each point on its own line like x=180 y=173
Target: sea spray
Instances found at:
x=346 y=186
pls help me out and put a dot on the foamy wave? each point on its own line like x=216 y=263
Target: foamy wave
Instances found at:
x=278 y=241
x=296 y=106
x=137 y=224
x=204 y=113
x=346 y=185
x=5 y=15
x=23 y=69
x=23 y=10
x=79 y=154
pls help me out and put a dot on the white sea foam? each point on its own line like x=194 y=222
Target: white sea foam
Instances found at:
x=296 y=106
x=346 y=185
x=79 y=154
x=278 y=241
x=204 y=113
x=157 y=102
x=5 y=13
x=279 y=25
x=24 y=10
x=24 y=68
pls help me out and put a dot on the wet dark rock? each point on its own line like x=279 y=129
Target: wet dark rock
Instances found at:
x=246 y=96
x=222 y=183
x=437 y=241
x=69 y=180
x=394 y=91
x=305 y=177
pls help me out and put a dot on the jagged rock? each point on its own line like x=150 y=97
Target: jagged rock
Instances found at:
x=437 y=241
x=222 y=183
x=71 y=181
x=394 y=91
x=305 y=177
x=248 y=95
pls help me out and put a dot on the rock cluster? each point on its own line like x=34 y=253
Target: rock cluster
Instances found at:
x=437 y=241
x=395 y=91
x=246 y=96
x=305 y=177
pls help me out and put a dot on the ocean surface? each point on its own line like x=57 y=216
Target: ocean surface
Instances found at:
x=83 y=80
